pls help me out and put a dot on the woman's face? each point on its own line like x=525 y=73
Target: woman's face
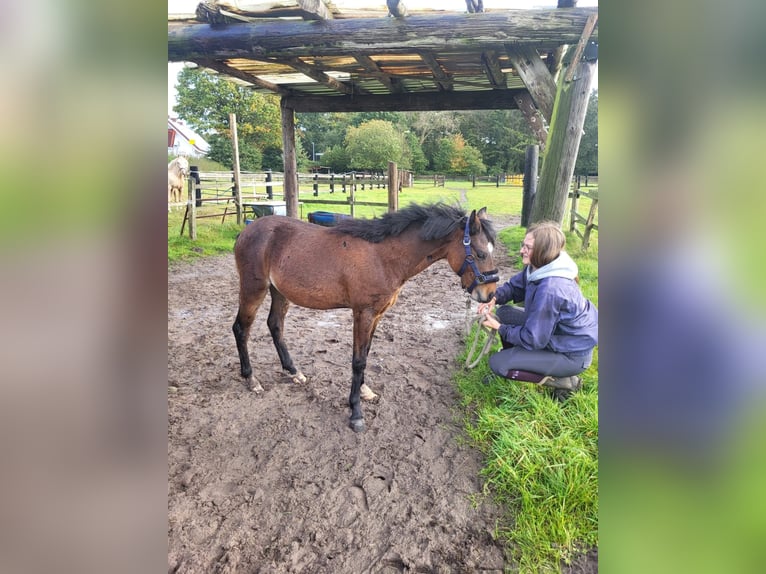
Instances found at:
x=526 y=248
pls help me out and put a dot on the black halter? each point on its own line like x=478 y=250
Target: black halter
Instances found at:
x=479 y=277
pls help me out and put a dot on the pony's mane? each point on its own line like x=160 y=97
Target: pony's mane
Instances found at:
x=437 y=221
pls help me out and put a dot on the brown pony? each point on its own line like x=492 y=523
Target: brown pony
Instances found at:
x=359 y=264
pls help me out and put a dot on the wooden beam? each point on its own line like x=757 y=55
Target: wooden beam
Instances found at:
x=394 y=85
x=563 y=144
x=533 y=116
x=544 y=28
x=491 y=65
x=316 y=74
x=535 y=76
x=442 y=80
x=587 y=31
x=222 y=68
x=290 y=182
x=407 y=102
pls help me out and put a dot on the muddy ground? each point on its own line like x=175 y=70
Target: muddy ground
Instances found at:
x=278 y=482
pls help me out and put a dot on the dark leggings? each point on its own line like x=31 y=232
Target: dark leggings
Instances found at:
x=543 y=362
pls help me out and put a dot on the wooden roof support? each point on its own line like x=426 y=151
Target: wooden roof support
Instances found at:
x=443 y=81
x=544 y=28
x=222 y=68
x=563 y=143
x=491 y=65
x=533 y=116
x=587 y=31
x=316 y=74
x=535 y=76
x=393 y=84
x=407 y=102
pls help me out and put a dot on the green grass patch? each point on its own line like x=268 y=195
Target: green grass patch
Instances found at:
x=541 y=455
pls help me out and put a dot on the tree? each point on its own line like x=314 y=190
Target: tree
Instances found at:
x=501 y=136
x=373 y=144
x=454 y=156
x=205 y=101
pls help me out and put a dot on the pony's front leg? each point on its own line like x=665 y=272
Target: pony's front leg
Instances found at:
x=364 y=327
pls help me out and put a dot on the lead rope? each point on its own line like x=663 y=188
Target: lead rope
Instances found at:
x=470 y=364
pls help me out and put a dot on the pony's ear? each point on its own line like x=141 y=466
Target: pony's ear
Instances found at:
x=482 y=214
x=475 y=225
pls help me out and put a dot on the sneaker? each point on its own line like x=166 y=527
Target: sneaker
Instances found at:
x=562 y=394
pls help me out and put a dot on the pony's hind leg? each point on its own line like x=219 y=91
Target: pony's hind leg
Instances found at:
x=276 y=323
x=249 y=301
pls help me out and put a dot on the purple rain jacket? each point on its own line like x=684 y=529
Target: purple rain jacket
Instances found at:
x=558 y=317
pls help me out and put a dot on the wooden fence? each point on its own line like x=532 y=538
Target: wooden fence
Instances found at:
x=267 y=189
x=587 y=221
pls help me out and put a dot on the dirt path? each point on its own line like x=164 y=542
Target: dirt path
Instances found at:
x=278 y=482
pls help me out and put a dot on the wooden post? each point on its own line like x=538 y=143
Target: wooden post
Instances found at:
x=316 y=185
x=237 y=187
x=473 y=179
x=291 y=168
x=191 y=205
x=563 y=143
x=269 y=189
x=530 y=182
x=351 y=196
x=332 y=183
x=393 y=187
x=573 y=212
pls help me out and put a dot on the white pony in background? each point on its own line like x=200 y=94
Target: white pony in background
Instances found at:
x=178 y=171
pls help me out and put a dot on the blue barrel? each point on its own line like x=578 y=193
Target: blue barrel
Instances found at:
x=326 y=218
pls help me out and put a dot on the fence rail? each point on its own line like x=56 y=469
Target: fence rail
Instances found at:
x=219 y=188
x=577 y=218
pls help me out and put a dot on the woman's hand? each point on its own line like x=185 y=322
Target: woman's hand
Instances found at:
x=486 y=308
x=490 y=321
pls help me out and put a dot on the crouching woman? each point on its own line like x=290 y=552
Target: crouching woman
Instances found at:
x=551 y=339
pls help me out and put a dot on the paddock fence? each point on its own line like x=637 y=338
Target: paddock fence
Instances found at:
x=266 y=189
x=587 y=221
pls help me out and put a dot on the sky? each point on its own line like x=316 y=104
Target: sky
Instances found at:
x=189 y=6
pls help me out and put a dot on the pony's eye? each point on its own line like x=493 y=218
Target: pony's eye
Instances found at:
x=481 y=255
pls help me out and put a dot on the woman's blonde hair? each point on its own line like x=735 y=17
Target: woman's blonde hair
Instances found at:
x=549 y=242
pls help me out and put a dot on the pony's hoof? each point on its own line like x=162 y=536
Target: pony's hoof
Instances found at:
x=357 y=425
x=366 y=393
x=254 y=385
x=298 y=378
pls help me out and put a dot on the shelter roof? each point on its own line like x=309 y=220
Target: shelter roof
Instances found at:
x=324 y=55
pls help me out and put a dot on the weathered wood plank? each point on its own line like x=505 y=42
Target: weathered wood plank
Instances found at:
x=408 y=102
x=563 y=143
x=222 y=68
x=318 y=75
x=443 y=81
x=392 y=84
x=536 y=77
x=545 y=28
x=533 y=116
x=491 y=64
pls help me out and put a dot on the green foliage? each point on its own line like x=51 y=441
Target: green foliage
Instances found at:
x=205 y=101
x=373 y=144
x=501 y=136
x=336 y=158
x=455 y=157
